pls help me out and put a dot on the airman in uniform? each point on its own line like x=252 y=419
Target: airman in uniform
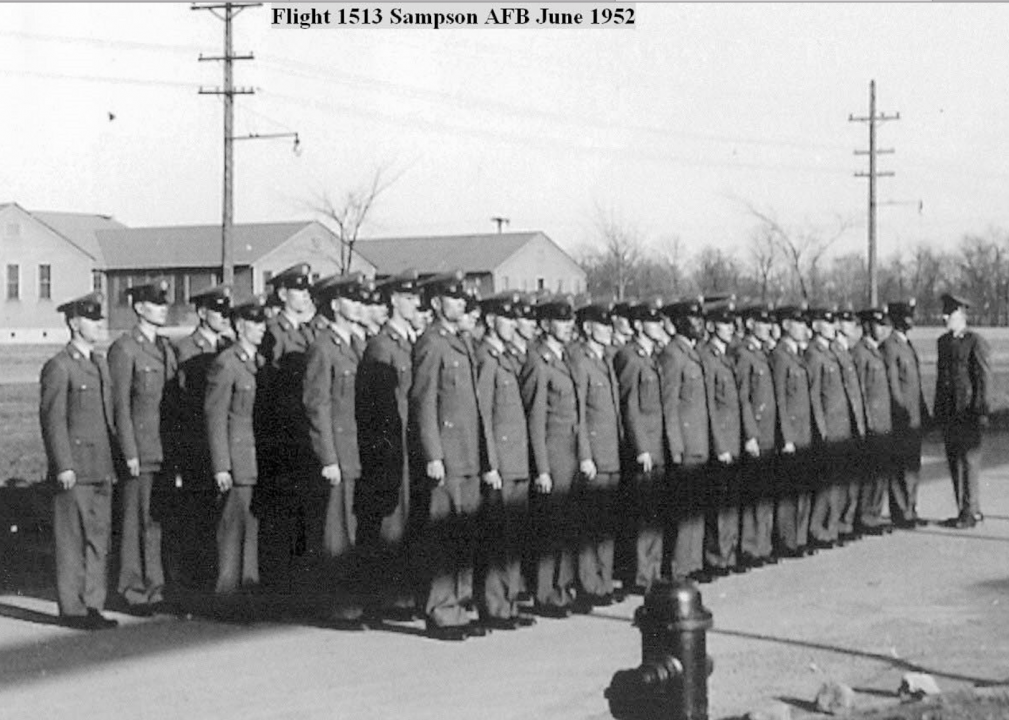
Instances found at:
x=759 y=420
x=962 y=405
x=596 y=383
x=446 y=420
x=141 y=363
x=78 y=428
x=687 y=433
x=526 y=329
x=643 y=452
x=848 y=495
x=382 y=497
x=197 y=517
x=554 y=418
x=910 y=414
x=726 y=433
x=795 y=433
x=286 y=461
x=505 y=504
x=229 y=400
x=833 y=428
x=870 y=363
x=623 y=330
x=329 y=396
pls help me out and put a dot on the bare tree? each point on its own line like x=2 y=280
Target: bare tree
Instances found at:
x=348 y=213
x=715 y=271
x=614 y=268
x=764 y=256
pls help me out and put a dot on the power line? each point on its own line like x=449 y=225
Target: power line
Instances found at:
x=872 y=118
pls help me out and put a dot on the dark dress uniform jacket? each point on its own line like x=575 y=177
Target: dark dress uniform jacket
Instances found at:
x=596 y=382
x=283 y=416
x=791 y=390
x=871 y=367
x=330 y=391
x=140 y=370
x=756 y=394
x=852 y=385
x=553 y=410
x=195 y=354
x=640 y=403
x=228 y=410
x=76 y=414
x=685 y=401
x=443 y=403
x=384 y=377
x=906 y=397
x=961 y=388
x=501 y=403
x=831 y=411
x=723 y=401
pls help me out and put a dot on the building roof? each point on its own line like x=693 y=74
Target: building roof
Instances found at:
x=469 y=253
x=191 y=246
x=79 y=228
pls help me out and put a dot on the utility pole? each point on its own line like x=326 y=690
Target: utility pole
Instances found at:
x=230 y=10
x=500 y=221
x=872 y=152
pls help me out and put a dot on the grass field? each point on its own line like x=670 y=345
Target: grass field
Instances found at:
x=21 y=454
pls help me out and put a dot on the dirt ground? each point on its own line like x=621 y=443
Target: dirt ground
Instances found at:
x=932 y=600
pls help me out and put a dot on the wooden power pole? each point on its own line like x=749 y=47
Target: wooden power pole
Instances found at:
x=872 y=152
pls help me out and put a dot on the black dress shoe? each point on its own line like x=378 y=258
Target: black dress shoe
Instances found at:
x=771 y=559
x=821 y=544
x=141 y=610
x=98 y=621
x=602 y=600
x=552 y=611
x=522 y=621
x=162 y=608
x=476 y=629
x=701 y=576
x=920 y=522
x=499 y=623
x=582 y=605
x=346 y=624
x=965 y=522
x=447 y=633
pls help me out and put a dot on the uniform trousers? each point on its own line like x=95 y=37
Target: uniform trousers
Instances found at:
x=686 y=512
x=721 y=532
x=596 y=500
x=830 y=485
x=141 y=576
x=757 y=505
x=329 y=567
x=794 y=501
x=964 y=455
x=850 y=492
x=876 y=471
x=447 y=549
x=237 y=542
x=504 y=525
x=279 y=505
x=903 y=488
x=650 y=501
x=198 y=522
x=82 y=518
x=382 y=538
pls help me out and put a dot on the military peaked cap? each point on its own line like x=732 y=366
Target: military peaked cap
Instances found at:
x=846 y=313
x=526 y=308
x=297 y=277
x=407 y=282
x=216 y=298
x=684 y=308
x=646 y=311
x=506 y=304
x=622 y=309
x=334 y=286
x=472 y=300
x=757 y=312
x=450 y=284
x=721 y=312
x=155 y=292
x=87 y=306
x=253 y=309
x=600 y=312
x=901 y=310
x=790 y=312
x=555 y=308
x=821 y=313
x=876 y=315
x=951 y=303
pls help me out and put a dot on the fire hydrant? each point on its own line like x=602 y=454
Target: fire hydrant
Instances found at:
x=672 y=681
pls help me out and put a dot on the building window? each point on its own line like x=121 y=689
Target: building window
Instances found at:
x=541 y=283
x=96 y=280
x=13 y=282
x=45 y=282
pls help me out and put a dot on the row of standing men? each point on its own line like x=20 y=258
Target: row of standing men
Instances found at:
x=386 y=446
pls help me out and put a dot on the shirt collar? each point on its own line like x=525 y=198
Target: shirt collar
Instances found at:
x=555 y=347
x=342 y=333
x=295 y=320
x=83 y=348
x=401 y=328
x=149 y=333
x=210 y=336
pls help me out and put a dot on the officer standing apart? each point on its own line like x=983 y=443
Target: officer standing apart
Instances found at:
x=228 y=412
x=910 y=415
x=505 y=504
x=795 y=433
x=451 y=432
x=596 y=384
x=688 y=439
x=961 y=405
x=197 y=516
x=141 y=362
x=329 y=397
x=76 y=415
x=643 y=453
x=554 y=417
x=759 y=418
x=870 y=364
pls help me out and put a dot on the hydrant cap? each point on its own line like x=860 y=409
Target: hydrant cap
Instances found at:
x=677 y=600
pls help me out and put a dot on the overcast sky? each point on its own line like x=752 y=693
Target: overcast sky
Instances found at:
x=671 y=127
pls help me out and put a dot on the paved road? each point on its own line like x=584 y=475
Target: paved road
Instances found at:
x=933 y=599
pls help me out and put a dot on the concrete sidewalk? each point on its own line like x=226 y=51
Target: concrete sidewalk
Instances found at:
x=932 y=599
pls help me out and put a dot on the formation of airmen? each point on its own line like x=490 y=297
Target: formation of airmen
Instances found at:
x=351 y=451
